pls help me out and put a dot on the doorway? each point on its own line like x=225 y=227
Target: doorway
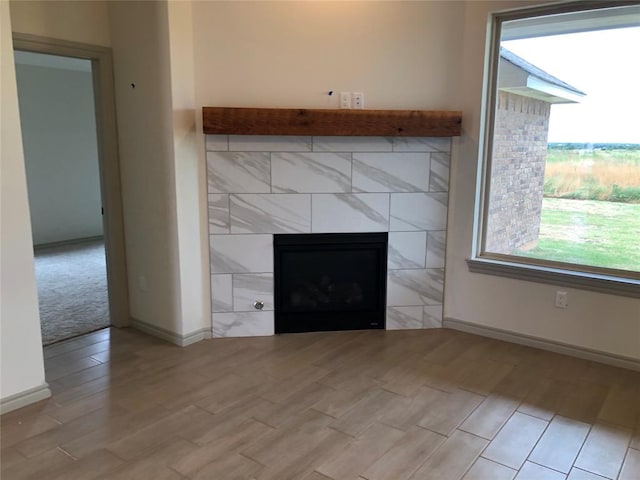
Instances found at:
x=67 y=114
x=57 y=117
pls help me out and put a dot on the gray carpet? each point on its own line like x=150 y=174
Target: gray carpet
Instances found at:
x=72 y=290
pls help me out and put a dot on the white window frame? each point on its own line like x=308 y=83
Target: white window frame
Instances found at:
x=605 y=280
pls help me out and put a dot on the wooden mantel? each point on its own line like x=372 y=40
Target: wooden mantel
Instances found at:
x=296 y=121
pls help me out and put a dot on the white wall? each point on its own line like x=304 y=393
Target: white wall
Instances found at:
x=190 y=173
x=290 y=54
x=57 y=117
x=145 y=135
x=401 y=55
x=606 y=323
x=21 y=363
x=22 y=367
x=86 y=22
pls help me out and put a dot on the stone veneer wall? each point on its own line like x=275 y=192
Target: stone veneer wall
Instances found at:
x=261 y=185
x=517 y=172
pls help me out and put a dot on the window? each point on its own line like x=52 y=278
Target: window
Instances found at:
x=560 y=195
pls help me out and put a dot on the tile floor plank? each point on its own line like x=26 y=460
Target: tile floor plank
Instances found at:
x=604 y=450
x=560 y=444
x=365 y=405
x=406 y=456
x=631 y=465
x=484 y=469
x=490 y=416
x=452 y=459
x=361 y=453
x=533 y=471
x=514 y=442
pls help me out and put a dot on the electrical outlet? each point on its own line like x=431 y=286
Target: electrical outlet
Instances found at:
x=357 y=100
x=345 y=99
x=562 y=299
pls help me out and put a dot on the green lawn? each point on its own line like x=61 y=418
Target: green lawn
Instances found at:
x=589 y=232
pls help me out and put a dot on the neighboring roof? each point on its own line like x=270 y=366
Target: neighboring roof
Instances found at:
x=535 y=71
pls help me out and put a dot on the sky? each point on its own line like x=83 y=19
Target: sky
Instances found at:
x=606 y=66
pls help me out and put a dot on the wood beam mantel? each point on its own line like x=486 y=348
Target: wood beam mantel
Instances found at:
x=319 y=122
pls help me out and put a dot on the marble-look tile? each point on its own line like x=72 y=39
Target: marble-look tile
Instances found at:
x=432 y=316
x=422 y=144
x=218 y=207
x=404 y=318
x=216 y=143
x=238 y=172
x=311 y=172
x=352 y=144
x=418 y=211
x=270 y=213
x=406 y=250
x=344 y=212
x=249 y=287
x=241 y=253
x=242 y=324
x=415 y=287
x=269 y=143
x=435 y=248
x=221 y=293
x=390 y=172
x=439 y=173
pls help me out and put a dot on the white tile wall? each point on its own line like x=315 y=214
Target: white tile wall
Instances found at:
x=269 y=143
x=414 y=287
x=435 y=249
x=418 y=211
x=267 y=213
x=218 y=206
x=261 y=185
x=391 y=172
x=310 y=172
x=422 y=144
x=432 y=316
x=241 y=253
x=221 y=293
x=251 y=287
x=238 y=172
x=404 y=318
x=352 y=144
x=348 y=212
x=406 y=250
x=243 y=324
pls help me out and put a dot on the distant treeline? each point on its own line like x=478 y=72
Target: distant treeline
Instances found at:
x=594 y=146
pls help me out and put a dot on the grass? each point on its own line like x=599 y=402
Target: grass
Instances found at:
x=588 y=232
x=611 y=174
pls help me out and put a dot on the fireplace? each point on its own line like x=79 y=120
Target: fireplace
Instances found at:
x=261 y=187
x=330 y=281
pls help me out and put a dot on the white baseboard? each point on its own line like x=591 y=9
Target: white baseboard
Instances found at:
x=543 y=344
x=22 y=399
x=172 y=337
x=64 y=243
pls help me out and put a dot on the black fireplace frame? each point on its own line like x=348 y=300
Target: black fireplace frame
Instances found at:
x=336 y=320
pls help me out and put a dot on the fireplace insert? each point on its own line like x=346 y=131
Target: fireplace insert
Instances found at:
x=330 y=281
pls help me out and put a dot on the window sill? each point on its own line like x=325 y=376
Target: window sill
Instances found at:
x=567 y=278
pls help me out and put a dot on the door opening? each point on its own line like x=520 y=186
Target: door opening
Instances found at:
x=67 y=113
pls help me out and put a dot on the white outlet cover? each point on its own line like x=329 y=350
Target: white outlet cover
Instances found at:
x=345 y=99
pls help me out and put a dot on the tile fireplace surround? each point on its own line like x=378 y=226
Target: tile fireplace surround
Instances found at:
x=261 y=185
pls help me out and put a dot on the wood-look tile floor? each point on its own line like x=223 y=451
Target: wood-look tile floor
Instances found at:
x=375 y=405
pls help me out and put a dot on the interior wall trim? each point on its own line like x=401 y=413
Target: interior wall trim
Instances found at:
x=22 y=399
x=543 y=344
x=108 y=159
x=172 y=337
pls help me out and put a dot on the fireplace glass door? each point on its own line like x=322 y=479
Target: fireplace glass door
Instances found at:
x=330 y=281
